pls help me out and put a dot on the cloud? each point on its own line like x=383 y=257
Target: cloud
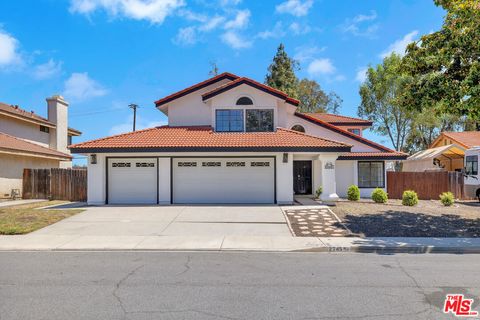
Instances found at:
x=229 y=3
x=154 y=11
x=358 y=25
x=212 y=23
x=298 y=29
x=297 y=8
x=81 y=87
x=240 y=21
x=276 y=32
x=400 y=45
x=9 y=54
x=361 y=75
x=127 y=125
x=321 y=67
x=186 y=36
x=307 y=53
x=234 y=40
x=47 y=70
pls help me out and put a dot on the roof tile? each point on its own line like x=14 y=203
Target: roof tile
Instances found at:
x=16 y=144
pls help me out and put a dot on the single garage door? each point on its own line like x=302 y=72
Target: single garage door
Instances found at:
x=223 y=180
x=132 y=181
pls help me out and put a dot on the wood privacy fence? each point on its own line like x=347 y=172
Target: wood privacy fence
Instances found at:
x=55 y=184
x=428 y=185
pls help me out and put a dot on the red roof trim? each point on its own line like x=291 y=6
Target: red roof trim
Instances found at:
x=339 y=120
x=373 y=156
x=252 y=83
x=195 y=87
x=342 y=132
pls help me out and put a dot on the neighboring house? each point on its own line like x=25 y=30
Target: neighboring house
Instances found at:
x=28 y=140
x=229 y=139
x=447 y=152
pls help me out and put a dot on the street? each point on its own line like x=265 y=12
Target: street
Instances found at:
x=232 y=285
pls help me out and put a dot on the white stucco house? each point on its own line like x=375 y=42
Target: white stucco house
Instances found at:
x=28 y=140
x=230 y=139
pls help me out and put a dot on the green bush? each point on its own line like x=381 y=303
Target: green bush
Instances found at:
x=318 y=192
x=353 y=193
x=447 y=199
x=379 y=195
x=409 y=198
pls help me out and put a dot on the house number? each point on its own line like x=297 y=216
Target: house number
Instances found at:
x=329 y=165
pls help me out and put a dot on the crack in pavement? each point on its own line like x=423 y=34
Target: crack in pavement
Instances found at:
x=117 y=287
x=369 y=316
x=186 y=265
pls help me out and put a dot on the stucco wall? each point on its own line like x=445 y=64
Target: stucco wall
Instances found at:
x=344 y=174
x=25 y=130
x=11 y=170
x=190 y=110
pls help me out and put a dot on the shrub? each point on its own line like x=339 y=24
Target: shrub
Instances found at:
x=447 y=199
x=353 y=193
x=409 y=198
x=379 y=195
x=318 y=192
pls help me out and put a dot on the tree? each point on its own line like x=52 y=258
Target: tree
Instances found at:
x=314 y=99
x=427 y=126
x=381 y=103
x=445 y=65
x=281 y=73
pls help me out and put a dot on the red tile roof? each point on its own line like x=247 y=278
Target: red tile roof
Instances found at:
x=339 y=120
x=203 y=138
x=467 y=139
x=12 y=144
x=31 y=116
x=196 y=87
x=373 y=156
x=252 y=83
x=343 y=132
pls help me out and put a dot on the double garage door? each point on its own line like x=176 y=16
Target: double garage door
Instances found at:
x=193 y=180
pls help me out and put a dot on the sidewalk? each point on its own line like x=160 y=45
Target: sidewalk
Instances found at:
x=240 y=243
x=11 y=203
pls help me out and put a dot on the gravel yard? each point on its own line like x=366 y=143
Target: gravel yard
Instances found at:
x=427 y=219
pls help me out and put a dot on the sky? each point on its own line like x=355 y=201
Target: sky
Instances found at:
x=102 y=55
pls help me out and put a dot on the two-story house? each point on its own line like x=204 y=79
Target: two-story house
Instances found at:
x=230 y=139
x=28 y=140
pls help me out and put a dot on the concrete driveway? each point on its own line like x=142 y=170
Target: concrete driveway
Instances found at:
x=182 y=221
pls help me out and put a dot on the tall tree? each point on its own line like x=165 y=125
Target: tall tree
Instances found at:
x=445 y=65
x=314 y=99
x=281 y=73
x=381 y=103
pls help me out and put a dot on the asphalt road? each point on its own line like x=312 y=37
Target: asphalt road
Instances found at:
x=155 y=285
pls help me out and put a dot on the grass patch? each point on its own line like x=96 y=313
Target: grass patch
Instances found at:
x=27 y=218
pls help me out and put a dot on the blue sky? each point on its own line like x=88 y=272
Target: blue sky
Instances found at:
x=104 y=54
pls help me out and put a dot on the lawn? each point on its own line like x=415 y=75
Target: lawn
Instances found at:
x=27 y=218
x=427 y=219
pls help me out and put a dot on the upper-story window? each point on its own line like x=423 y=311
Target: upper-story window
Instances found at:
x=259 y=120
x=229 y=120
x=44 y=129
x=355 y=131
x=244 y=101
x=298 y=128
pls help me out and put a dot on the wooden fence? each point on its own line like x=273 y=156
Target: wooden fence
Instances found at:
x=55 y=184
x=428 y=185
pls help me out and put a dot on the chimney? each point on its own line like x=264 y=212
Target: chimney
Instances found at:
x=58 y=114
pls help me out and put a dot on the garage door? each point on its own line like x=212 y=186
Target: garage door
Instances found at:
x=223 y=180
x=132 y=181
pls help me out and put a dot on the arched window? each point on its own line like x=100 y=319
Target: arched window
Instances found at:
x=244 y=101
x=298 y=128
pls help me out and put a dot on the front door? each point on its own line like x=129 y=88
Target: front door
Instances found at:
x=302 y=177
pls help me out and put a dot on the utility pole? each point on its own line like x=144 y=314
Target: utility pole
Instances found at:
x=134 y=107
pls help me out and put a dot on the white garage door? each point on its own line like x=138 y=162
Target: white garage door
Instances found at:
x=223 y=180
x=132 y=181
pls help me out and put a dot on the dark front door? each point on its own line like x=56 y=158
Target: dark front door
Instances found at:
x=302 y=177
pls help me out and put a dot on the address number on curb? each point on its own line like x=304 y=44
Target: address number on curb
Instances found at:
x=339 y=249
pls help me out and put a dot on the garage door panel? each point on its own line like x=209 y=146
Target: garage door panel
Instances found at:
x=132 y=181
x=203 y=180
